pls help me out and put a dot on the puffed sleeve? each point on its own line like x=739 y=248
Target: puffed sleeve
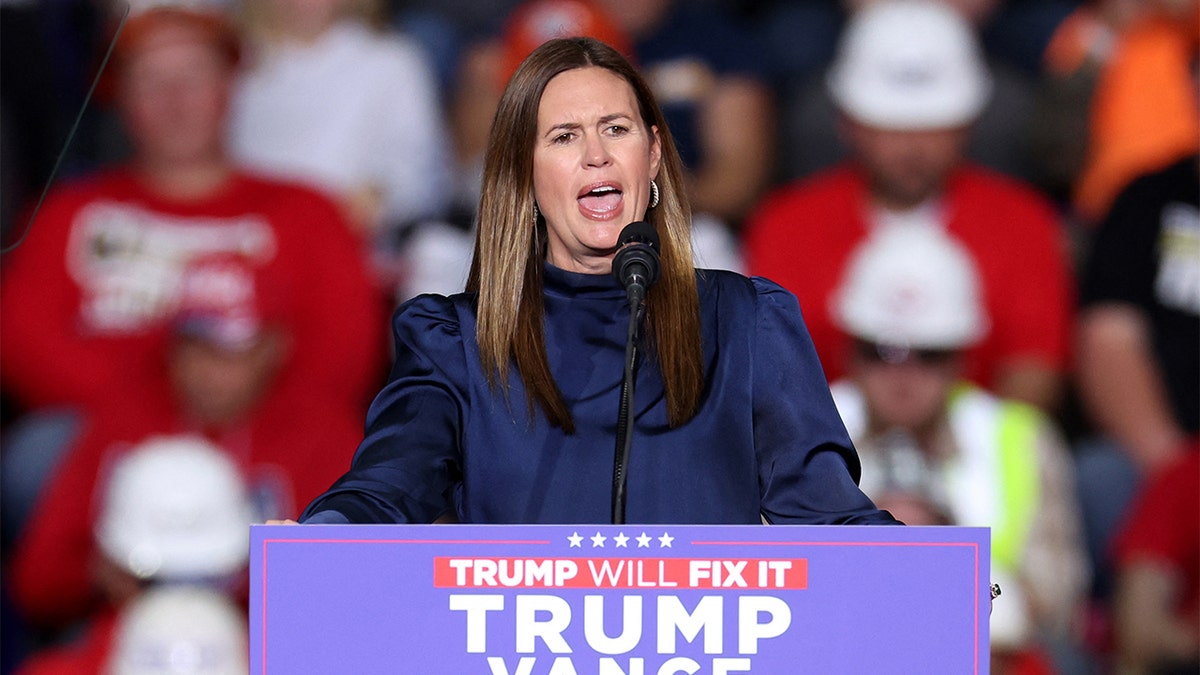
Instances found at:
x=808 y=468
x=410 y=460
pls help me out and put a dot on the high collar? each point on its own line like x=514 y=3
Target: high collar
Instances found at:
x=560 y=282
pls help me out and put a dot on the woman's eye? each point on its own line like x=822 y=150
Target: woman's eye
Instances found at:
x=564 y=137
x=617 y=130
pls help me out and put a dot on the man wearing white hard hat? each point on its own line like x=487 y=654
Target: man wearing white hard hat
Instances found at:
x=175 y=511
x=909 y=82
x=936 y=450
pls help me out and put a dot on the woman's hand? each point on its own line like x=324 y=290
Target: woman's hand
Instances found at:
x=289 y=521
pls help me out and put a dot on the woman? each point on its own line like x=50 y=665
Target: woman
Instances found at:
x=733 y=421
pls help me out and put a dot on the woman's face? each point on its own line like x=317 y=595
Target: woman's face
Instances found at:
x=593 y=160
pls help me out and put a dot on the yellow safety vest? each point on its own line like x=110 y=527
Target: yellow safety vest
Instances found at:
x=996 y=481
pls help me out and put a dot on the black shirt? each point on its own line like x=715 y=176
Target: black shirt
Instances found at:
x=1147 y=253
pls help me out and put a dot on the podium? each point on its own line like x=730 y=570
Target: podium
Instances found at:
x=617 y=599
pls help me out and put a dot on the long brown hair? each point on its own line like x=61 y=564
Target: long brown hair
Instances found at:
x=510 y=245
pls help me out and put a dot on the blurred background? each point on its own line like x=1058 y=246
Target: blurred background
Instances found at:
x=989 y=209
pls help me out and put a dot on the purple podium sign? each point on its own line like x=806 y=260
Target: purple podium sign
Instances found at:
x=617 y=600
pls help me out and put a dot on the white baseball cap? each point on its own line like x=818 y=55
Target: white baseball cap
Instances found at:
x=180 y=630
x=912 y=286
x=176 y=507
x=909 y=64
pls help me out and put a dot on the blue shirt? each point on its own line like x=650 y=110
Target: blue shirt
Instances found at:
x=767 y=441
x=688 y=47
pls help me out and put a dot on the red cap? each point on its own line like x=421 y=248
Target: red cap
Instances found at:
x=537 y=21
x=211 y=25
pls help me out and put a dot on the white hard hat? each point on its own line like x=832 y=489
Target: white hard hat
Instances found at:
x=180 y=630
x=913 y=286
x=176 y=507
x=909 y=64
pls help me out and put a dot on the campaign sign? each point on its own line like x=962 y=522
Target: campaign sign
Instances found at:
x=617 y=600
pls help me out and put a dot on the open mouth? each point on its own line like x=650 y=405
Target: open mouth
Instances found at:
x=601 y=199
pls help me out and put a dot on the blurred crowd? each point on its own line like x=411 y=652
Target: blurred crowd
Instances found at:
x=989 y=210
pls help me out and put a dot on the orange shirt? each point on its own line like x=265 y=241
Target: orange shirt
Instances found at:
x=1145 y=113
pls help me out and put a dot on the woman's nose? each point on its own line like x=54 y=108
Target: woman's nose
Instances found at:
x=595 y=152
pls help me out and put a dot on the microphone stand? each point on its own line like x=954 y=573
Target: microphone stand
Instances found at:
x=637 y=311
x=636 y=266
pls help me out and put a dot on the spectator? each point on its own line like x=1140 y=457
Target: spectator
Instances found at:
x=1157 y=596
x=1080 y=46
x=1140 y=321
x=227 y=357
x=909 y=82
x=85 y=297
x=174 y=511
x=1137 y=335
x=1133 y=64
x=997 y=138
x=331 y=100
x=938 y=451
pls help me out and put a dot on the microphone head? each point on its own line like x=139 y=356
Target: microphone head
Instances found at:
x=636 y=261
x=641 y=232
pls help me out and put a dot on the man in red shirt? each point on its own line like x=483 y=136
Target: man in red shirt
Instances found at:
x=86 y=296
x=909 y=81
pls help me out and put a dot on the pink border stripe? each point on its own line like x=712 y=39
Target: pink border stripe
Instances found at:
x=405 y=541
x=834 y=543
x=264 y=606
x=974 y=546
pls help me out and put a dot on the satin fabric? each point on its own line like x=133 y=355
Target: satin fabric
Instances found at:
x=767 y=442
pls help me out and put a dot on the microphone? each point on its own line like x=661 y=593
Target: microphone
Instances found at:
x=636 y=264
x=636 y=267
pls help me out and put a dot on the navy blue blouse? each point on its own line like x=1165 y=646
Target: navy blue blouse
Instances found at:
x=767 y=441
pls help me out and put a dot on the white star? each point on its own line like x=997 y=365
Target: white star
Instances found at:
x=643 y=541
x=621 y=539
x=665 y=540
x=598 y=540
x=576 y=540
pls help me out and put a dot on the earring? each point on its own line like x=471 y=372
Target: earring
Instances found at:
x=653 y=194
x=536 y=213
